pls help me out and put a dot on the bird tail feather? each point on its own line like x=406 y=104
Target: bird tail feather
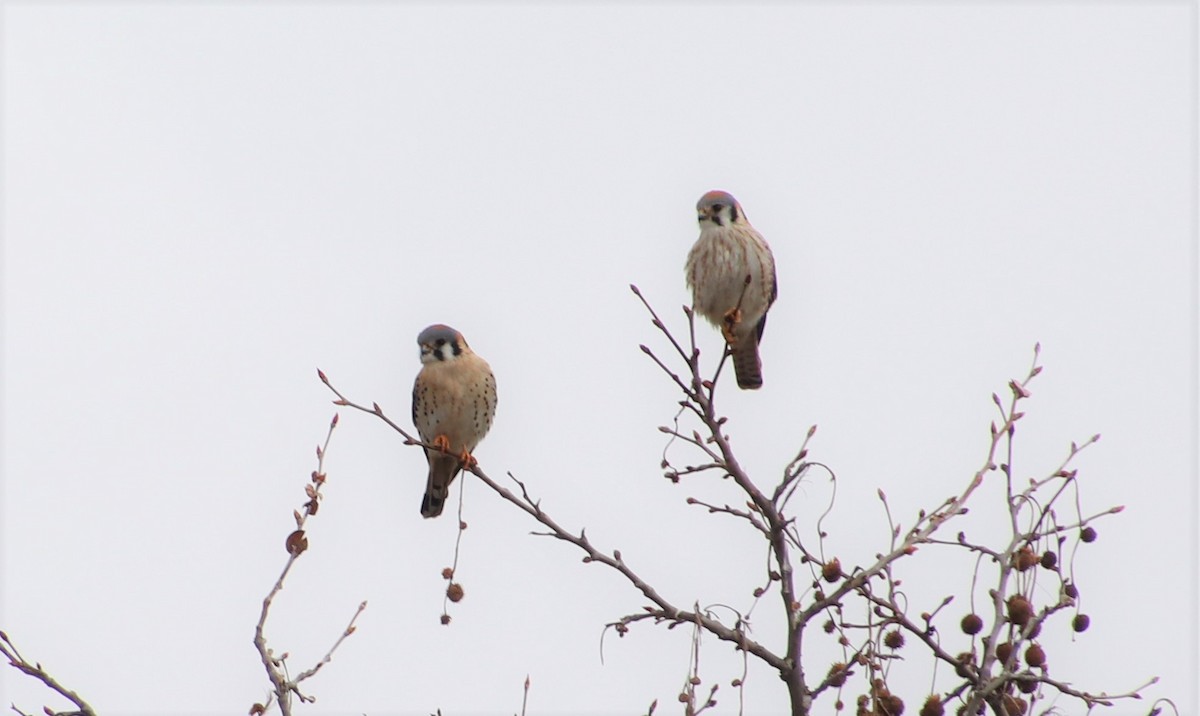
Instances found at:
x=442 y=471
x=746 y=364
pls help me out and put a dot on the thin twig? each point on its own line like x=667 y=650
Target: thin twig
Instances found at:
x=10 y=651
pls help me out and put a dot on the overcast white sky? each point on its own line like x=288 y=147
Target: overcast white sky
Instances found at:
x=205 y=202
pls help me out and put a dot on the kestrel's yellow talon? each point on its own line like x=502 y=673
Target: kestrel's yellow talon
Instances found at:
x=467 y=459
x=729 y=321
x=441 y=442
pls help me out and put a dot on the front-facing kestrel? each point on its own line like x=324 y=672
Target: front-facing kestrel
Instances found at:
x=454 y=400
x=728 y=251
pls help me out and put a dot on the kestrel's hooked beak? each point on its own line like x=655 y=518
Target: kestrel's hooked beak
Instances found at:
x=703 y=213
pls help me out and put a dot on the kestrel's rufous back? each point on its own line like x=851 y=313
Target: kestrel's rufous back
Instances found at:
x=728 y=251
x=454 y=401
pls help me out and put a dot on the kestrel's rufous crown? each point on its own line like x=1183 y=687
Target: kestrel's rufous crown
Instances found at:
x=716 y=196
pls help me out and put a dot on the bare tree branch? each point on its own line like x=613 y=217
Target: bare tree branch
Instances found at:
x=34 y=669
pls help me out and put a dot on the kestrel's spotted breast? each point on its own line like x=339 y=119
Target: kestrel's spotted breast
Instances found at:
x=454 y=401
x=728 y=251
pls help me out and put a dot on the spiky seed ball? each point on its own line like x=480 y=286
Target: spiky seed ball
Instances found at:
x=893 y=639
x=933 y=706
x=1035 y=656
x=1049 y=560
x=964 y=660
x=891 y=704
x=1004 y=651
x=454 y=592
x=828 y=626
x=1081 y=622
x=972 y=624
x=837 y=674
x=683 y=697
x=445 y=619
x=1024 y=559
x=1088 y=534
x=1019 y=610
x=832 y=570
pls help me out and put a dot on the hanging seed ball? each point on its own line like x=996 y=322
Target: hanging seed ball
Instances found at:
x=933 y=706
x=1014 y=706
x=1088 y=534
x=454 y=592
x=1049 y=560
x=1004 y=651
x=1024 y=559
x=891 y=704
x=972 y=624
x=445 y=619
x=965 y=659
x=1035 y=656
x=1081 y=622
x=893 y=639
x=832 y=570
x=828 y=626
x=1027 y=686
x=837 y=674
x=1019 y=610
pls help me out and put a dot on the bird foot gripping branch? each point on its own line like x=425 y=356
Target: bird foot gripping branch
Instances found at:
x=729 y=323
x=467 y=459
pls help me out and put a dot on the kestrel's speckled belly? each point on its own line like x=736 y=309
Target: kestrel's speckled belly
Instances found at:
x=717 y=269
x=460 y=410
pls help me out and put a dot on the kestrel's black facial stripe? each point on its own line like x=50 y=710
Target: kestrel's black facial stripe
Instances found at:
x=733 y=212
x=441 y=345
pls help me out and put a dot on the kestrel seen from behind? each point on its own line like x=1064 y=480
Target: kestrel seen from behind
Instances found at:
x=728 y=250
x=454 y=400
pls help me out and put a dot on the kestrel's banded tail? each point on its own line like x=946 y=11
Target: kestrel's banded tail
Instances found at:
x=747 y=366
x=442 y=471
x=728 y=252
x=454 y=401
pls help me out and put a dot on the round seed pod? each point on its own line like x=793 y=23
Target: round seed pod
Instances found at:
x=1035 y=656
x=1081 y=622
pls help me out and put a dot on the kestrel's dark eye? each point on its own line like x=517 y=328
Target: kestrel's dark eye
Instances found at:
x=717 y=207
x=441 y=342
